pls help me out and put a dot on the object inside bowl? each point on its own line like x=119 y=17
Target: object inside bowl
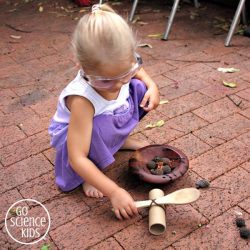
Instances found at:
x=161 y=165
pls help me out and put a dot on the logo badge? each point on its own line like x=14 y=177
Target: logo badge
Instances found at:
x=27 y=221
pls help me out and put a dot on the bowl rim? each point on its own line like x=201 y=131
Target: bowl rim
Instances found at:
x=161 y=179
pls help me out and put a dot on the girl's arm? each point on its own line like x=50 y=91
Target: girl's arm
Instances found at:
x=143 y=76
x=78 y=143
x=151 y=98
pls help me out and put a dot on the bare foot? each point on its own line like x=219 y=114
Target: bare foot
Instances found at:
x=91 y=191
x=134 y=144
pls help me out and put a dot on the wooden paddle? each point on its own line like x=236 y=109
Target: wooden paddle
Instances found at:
x=182 y=196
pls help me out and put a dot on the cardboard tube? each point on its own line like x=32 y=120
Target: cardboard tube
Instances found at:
x=157 y=215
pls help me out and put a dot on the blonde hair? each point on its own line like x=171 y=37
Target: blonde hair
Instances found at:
x=103 y=37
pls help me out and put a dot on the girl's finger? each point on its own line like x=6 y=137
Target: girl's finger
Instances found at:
x=153 y=104
x=134 y=209
x=146 y=109
x=144 y=100
x=129 y=211
x=117 y=214
x=149 y=107
x=124 y=213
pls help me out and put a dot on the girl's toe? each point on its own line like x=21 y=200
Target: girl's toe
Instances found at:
x=97 y=194
x=92 y=193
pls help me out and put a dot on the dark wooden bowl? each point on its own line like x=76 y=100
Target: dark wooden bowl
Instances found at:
x=140 y=158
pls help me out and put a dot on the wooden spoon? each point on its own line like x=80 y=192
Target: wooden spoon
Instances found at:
x=182 y=196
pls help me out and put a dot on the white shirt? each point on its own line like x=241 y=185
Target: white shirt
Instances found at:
x=80 y=87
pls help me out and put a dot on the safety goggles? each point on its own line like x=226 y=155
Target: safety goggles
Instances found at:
x=105 y=83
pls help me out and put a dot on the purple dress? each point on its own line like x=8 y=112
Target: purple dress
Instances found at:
x=108 y=135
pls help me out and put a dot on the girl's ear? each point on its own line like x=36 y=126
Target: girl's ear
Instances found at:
x=76 y=62
x=78 y=65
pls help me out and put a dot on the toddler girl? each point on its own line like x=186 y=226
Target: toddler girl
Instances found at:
x=100 y=107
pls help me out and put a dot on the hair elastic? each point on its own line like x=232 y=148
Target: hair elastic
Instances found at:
x=95 y=8
x=153 y=202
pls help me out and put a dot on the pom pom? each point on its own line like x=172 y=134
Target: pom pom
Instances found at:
x=202 y=183
x=157 y=159
x=166 y=169
x=244 y=233
x=152 y=171
x=240 y=222
x=151 y=165
x=159 y=171
x=166 y=161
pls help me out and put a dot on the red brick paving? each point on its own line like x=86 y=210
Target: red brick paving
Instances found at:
x=217 y=90
x=6 y=96
x=190 y=145
x=169 y=248
x=163 y=134
x=245 y=94
x=42 y=187
x=189 y=71
x=223 y=130
x=25 y=148
x=200 y=119
x=109 y=243
x=10 y=135
x=16 y=117
x=11 y=75
x=181 y=219
x=45 y=107
x=222 y=233
x=177 y=89
x=7 y=199
x=159 y=68
x=240 y=102
x=245 y=138
x=246 y=166
x=223 y=195
x=245 y=205
x=50 y=155
x=155 y=116
x=186 y=123
x=163 y=81
x=221 y=159
x=184 y=104
x=217 y=110
x=22 y=171
x=65 y=208
x=245 y=113
x=188 y=180
x=89 y=228
x=232 y=59
x=47 y=242
x=34 y=125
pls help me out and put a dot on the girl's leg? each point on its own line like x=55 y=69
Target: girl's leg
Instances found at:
x=134 y=144
x=138 y=91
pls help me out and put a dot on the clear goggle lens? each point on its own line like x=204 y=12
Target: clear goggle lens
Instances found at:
x=105 y=83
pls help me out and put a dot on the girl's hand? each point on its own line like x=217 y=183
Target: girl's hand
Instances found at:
x=123 y=204
x=151 y=99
